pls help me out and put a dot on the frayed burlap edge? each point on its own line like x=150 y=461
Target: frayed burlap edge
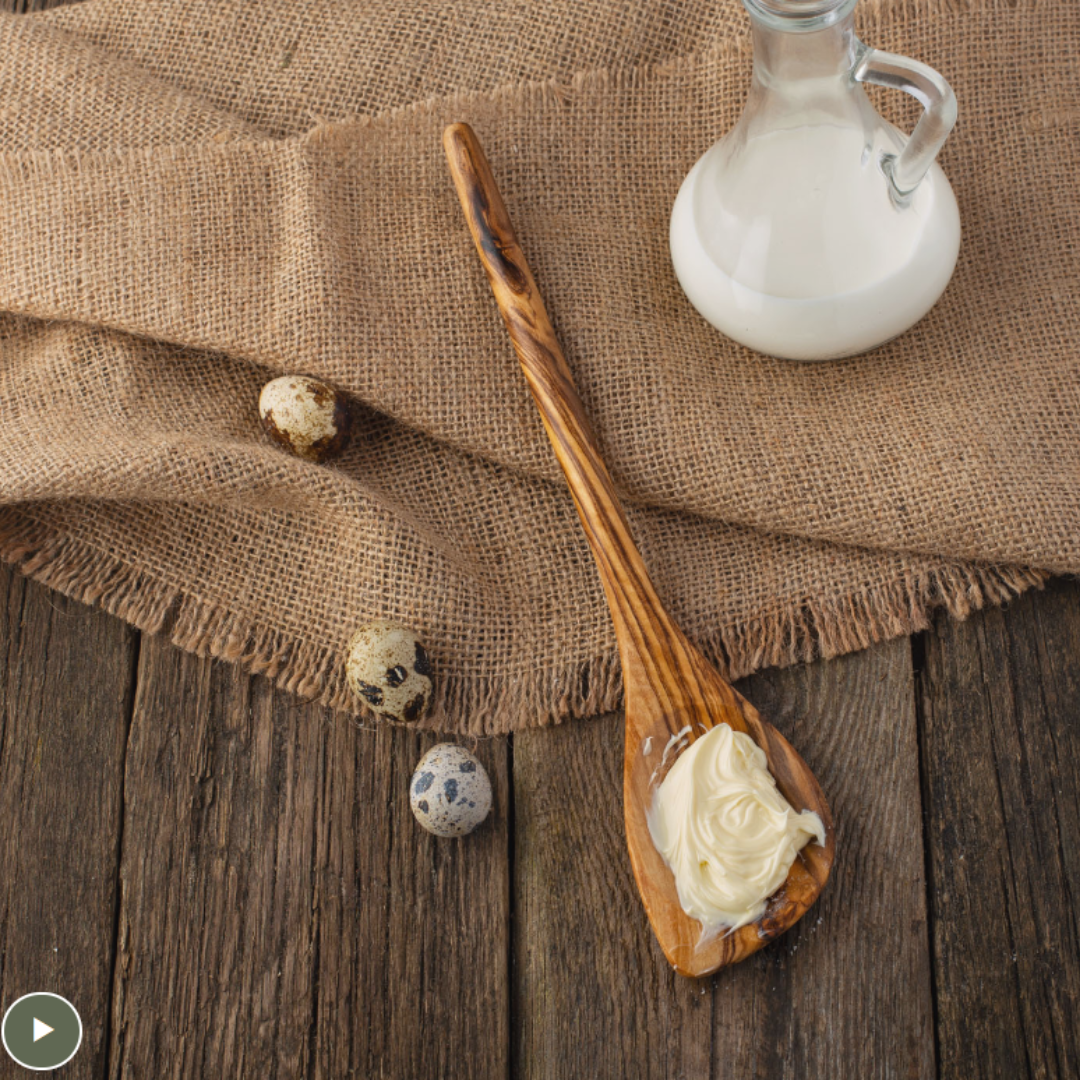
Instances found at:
x=814 y=628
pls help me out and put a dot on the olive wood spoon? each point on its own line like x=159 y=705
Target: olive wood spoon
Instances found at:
x=669 y=686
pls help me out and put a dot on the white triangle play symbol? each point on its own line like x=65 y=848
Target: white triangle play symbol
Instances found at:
x=40 y=1029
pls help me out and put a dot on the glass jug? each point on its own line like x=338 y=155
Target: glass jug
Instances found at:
x=815 y=229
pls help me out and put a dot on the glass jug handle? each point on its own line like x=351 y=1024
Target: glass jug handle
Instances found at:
x=906 y=169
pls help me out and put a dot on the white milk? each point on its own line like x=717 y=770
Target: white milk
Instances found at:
x=792 y=246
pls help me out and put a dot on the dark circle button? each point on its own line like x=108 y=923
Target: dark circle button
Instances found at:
x=41 y=1031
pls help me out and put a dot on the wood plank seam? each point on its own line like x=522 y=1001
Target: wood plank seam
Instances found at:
x=316 y=950
x=1047 y=658
x=388 y=942
x=919 y=688
x=1008 y=881
x=512 y=1003
x=1001 y=697
x=118 y=901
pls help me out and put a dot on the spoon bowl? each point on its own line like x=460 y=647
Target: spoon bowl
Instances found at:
x=699 y=698
x=671 y=691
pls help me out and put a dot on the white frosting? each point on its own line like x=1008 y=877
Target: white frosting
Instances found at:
x=725 y=830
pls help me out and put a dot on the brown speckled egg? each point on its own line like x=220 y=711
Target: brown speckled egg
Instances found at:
x=307 y=417
x=388 y=667
x=450 y=793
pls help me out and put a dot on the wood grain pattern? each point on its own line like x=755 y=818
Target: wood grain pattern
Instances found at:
x=594 y=995
x=847 y=994
x=670 y=689
x=844 y=995
x=25 y=7
x=282 y=913
x=217 y=934
x=65 y=699
x=414 y=968
x=1000 y=702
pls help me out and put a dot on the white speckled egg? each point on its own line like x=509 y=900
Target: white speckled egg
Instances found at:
x=388 y=667
x=307 y=417
x=450 y=793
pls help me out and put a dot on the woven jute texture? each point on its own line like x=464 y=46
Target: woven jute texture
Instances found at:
x=197 y=197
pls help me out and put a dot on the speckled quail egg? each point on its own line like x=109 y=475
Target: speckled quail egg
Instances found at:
x=450 y=793
x=388 y=667
x=307 y=417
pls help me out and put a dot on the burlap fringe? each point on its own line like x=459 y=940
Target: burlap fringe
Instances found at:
x=493 y=706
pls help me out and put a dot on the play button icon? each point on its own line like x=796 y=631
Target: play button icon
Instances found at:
x=41 y=1031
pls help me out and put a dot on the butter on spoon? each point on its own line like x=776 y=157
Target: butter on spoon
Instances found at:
x=726 y=832
x=670 y=688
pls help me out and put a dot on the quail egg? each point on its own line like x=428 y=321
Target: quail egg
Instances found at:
x=388 y=667
x=450 y=793
x=307 y=417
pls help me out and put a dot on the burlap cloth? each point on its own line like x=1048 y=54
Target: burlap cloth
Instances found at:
x=195 y=197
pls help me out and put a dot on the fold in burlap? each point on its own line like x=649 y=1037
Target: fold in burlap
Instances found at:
x=194 y=198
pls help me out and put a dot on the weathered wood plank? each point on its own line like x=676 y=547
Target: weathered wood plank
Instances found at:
x=1000 y=701
x=65 y=702
x=594 y=996
x=282 y=914
x=846 y=994
x=414 y=962
x=217 y=932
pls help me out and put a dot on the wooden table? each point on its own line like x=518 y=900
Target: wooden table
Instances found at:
x=229 y=883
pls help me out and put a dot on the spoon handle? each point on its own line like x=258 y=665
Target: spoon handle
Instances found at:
x=642 y=625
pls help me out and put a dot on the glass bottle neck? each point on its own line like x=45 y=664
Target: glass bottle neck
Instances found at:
x=783 y=53
x=799 y=16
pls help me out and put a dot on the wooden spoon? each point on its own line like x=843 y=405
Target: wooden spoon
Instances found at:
x=669 y=686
